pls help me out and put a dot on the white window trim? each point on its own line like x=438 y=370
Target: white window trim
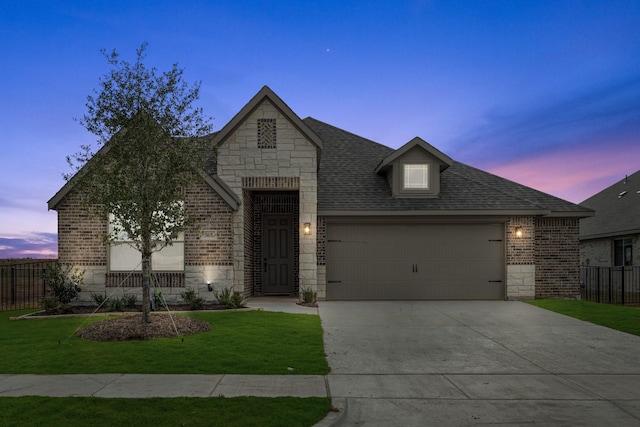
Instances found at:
x=425 y=185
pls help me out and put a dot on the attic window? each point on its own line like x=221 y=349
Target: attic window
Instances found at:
x=416 y=177
x=266 y=133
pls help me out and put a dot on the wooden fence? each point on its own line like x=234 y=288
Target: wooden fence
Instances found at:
x=22 y=283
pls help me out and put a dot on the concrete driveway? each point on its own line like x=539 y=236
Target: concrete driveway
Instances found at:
x=477 y=363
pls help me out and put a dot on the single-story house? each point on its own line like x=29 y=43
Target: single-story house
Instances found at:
x=611 y=238
x=288 y=205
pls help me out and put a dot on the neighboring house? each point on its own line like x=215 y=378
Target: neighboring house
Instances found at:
x=289 y=204
x=611 y=238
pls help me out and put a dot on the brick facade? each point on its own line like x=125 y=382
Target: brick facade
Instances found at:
x=211 y=242
x=80 y=234
x=557 y=257
x=544 y=262
x=262 y=203
x=520 y=251
x=600 y=252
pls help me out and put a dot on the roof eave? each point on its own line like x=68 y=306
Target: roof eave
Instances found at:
x=53 y=202
x=222 y=189
x=610 y=234
x=571 y=214
x=436 y=212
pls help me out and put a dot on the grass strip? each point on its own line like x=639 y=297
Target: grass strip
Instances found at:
x=618 y=317
x=250 y=342
x=216 y=411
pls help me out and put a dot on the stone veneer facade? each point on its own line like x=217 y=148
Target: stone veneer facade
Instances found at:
x=289 y=167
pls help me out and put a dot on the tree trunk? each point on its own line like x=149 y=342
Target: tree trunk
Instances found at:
x=146 y=284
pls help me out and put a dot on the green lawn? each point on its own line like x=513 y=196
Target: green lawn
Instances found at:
x=92 y=411
x=252 y=342
x=621 y=318
x=249 y=342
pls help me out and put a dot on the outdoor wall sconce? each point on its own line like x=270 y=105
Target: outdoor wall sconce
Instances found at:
x=209 y=287
x=518 y=232
x=307 y=229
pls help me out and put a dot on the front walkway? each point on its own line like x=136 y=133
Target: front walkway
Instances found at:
x=144 y=386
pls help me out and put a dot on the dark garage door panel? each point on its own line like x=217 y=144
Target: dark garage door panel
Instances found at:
x=415 y=261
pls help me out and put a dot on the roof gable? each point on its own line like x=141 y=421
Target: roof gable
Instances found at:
x=216 y=184
x=445 y=161
x=254 y=103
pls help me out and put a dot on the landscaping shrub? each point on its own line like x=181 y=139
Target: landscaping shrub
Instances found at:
x=308 y=296
x=49 y=305
x=98 y=299
x=129 y=301
x=229 y=299
x=189 y=296
x=63 y=282
x=158 y=300
x=115 y=304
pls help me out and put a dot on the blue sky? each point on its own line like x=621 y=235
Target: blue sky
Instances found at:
x=546 y=93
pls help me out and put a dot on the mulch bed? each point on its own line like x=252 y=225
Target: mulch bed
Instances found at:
x=128 y=325
x=131 y=327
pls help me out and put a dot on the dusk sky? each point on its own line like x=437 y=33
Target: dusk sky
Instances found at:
x=545 y=93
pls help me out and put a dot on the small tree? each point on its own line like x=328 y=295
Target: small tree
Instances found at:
x=150 y=149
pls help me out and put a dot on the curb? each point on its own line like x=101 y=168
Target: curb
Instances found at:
x=32 y=316
x=338 y=417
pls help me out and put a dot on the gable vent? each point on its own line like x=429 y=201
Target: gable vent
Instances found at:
x=267 y=133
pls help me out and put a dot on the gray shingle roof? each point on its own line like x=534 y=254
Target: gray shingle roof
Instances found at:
x=347 y=182
x=617 y=214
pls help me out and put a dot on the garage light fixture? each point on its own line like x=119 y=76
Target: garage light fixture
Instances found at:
x=518 y=232
x=307 y=229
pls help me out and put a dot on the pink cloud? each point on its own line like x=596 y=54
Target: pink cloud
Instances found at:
x=29 y=245
x=570 y=174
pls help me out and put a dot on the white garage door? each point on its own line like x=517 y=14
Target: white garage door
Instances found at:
x=415 y=261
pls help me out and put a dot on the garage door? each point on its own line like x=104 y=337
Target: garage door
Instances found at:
x=415 y=261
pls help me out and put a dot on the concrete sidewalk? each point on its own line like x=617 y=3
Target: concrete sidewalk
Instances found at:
x=143 y=386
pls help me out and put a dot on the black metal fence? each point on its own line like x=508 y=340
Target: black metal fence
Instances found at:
x=612 y=285
x=22 y=284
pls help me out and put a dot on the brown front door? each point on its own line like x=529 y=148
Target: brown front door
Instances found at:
x=277 y=254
